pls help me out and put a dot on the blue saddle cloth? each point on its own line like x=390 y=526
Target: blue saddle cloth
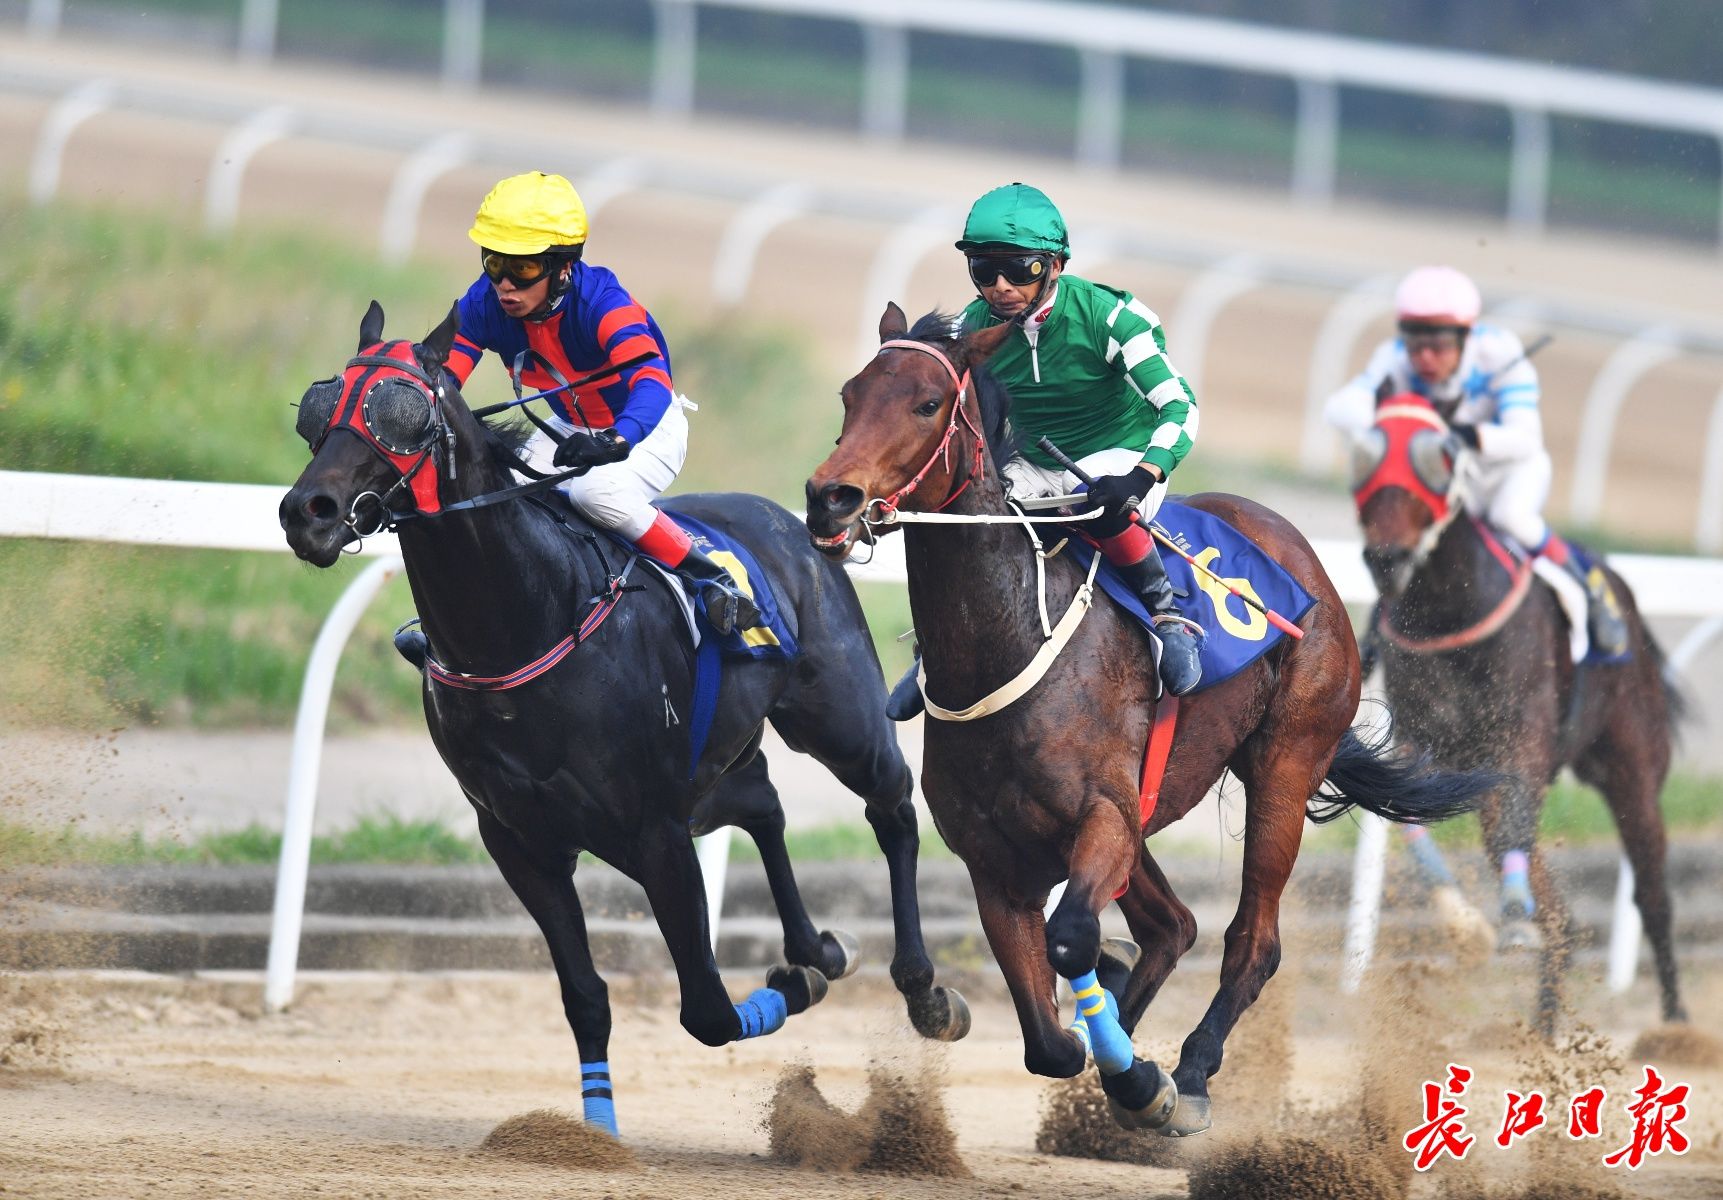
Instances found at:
x=1588 y=562
x=1238 y=635
x=773 y=636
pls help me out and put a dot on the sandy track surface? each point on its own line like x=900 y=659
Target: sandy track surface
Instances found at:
x=387 y=1085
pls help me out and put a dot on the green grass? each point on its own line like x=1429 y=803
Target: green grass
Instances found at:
x=376 y=839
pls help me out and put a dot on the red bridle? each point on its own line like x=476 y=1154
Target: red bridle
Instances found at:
x=959 y=410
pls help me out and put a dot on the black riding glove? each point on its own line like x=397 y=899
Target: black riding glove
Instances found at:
x=1118 y=497
x=583 y=449
x=1465 y=433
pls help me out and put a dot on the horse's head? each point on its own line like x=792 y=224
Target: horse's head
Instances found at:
x=1404 y=484
x=380 y=433
x=913 y=433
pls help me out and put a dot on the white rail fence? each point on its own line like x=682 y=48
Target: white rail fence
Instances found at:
x=229 y=516
x=1104 y=39
x=915 y=230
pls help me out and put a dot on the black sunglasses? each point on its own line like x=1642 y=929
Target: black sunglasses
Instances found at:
x=1426 y=335
x=522 y=270
x=1018 y=269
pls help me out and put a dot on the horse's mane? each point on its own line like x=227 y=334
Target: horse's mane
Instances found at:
x=945 y=331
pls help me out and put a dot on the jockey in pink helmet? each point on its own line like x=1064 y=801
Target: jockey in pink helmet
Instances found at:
x=1478 y=378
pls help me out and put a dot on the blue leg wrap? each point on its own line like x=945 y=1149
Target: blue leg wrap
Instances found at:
x=761 y=1013
x=1516 y=883
x=1431 y=865
x=595 y=1096
x=1107 y=1038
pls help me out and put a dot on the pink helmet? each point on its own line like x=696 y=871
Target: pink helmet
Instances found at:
x=1438 y=296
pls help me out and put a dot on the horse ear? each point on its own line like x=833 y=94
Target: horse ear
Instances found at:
x=371 y=328
x=438 y=342
x=979 y=346
x=893 y=324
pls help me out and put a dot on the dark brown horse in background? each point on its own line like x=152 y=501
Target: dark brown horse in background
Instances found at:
x=1047 y=789
x=1478 y=672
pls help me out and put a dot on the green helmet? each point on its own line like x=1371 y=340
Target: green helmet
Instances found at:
x=1015 y=216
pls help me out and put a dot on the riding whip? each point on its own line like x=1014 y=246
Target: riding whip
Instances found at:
x=1274 y=618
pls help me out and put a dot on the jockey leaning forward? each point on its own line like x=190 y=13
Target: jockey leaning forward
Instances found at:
x=569 y=318
x=1087 y=368
x=1479 y=379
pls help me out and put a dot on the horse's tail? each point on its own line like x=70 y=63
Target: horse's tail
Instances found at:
x=1411 y=790
x=1675 y=697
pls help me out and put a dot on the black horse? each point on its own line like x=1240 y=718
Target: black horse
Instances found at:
x=1475 y=656
x=593 y=753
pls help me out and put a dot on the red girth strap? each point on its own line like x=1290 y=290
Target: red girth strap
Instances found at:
x=1155 y=755
x=545 y=661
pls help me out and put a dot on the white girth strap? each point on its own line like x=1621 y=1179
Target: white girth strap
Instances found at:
x=1009 y=693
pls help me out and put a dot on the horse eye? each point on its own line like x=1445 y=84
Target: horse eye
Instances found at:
x=928 y=409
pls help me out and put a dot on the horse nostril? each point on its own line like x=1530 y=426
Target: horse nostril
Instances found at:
x=841 y=499
x=321 y=507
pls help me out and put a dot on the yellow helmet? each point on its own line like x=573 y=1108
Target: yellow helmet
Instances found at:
x=530 y=214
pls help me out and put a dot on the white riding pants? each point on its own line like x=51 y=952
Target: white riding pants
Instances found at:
x=1025 y=481
x=619 y=495
x=1511 y=496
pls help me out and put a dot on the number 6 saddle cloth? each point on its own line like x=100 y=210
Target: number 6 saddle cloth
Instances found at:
x=1238 y=635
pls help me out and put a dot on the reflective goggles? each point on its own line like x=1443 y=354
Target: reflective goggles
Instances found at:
x=396 y=412
x=1419 y=335
x=522 y=270
x=1018 y=269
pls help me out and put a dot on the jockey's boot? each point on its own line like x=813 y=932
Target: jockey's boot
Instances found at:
x=905 y=701
x=1181 y=668
x=410 y=644
x=1604 y=622
x=728 y=607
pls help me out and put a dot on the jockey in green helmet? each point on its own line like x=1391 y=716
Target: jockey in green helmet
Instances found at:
x=1087 y=368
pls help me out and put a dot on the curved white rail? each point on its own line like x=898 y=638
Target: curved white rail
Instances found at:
x=739 y=244
x=1329 y=359
x=79 y=105
x=1708 y=535
x=894 y=263
x=234 y=155
x=400 y=225
x=1201 y=304
x=1651 y=348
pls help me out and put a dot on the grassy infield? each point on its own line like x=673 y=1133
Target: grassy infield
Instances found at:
x=140 y=348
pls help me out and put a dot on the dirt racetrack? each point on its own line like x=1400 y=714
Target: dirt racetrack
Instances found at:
x=386 y=1085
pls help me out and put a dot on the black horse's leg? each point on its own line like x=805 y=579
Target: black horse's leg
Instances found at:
x=746 y=798
x=859 y=746
x=548 y=894
x=1164 y=929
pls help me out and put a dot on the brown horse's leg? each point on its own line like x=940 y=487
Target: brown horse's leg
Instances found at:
x=1163 y=927
x=1018 y=939
x=1555 y=924
x=1278 y=778
x=1629 y=767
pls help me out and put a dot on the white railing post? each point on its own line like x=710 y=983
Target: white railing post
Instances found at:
x=675 y=31
x=259 y=21
x=894 y=263
x=1364 y=914
x=42 y=18
x=1101 y=108
x=1316 y=145
x=1708 y=531
x=400 y=227
x=885 y=81
x=1650 y=348
x=463 y=42
x=1329 y=355
x=739 y=244
x=233 y=156
x=1529 y=170
x=72 y=110
x=1200 y=304
x=605 y=182
x=306 y=761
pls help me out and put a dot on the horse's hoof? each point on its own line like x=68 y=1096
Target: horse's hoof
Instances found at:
x=802 y=987
x=1141 y=1098
x=1467 y=929
x=1118 y=959
x=940 y=1013
x=1191 y=1115
x=848 y=949
x=1518 y=936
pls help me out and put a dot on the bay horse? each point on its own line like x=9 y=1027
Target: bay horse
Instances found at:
x=593 y=753
x=1047 y=789
x=1477 y=667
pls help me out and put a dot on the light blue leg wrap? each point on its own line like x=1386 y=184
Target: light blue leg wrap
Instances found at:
x=1516 y=882
x=1431 y=865
x=595 y=1096
x=762 y=1013
x=1100 y=1012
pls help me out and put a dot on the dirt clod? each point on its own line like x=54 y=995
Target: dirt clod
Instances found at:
x=558 y=1139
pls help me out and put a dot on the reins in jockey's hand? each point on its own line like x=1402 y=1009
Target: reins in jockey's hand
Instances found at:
x=1274 y=618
